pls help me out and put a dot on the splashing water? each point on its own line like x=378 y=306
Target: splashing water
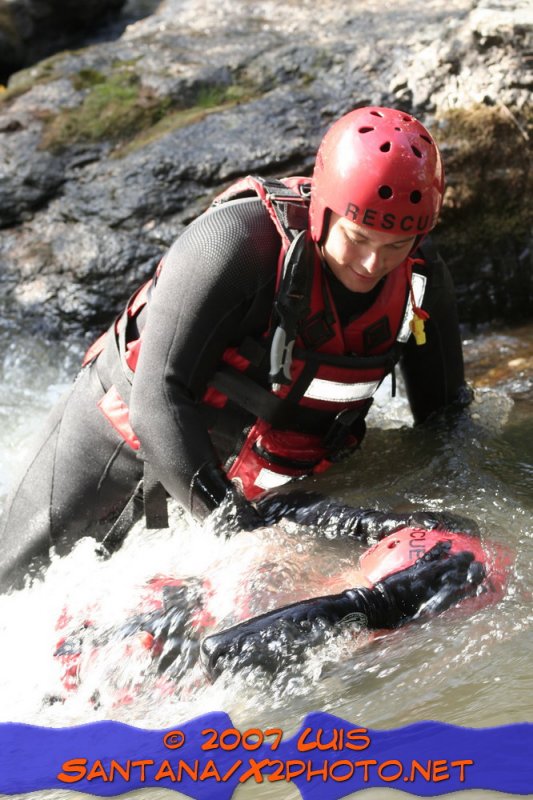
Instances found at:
x=472 y=670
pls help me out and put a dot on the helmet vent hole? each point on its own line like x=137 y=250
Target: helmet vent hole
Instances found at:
x=397 y=129
x=407 y=119
x=385 y=192
x=416 y=151
x=385 y=147
x=376 y=113
x=415 y=197
x=426 y=138
x=365 y=129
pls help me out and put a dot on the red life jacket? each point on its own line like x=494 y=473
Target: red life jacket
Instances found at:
x=316 y=416
x=310 y=413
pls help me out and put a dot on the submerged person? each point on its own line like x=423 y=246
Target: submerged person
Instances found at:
x=435 y=581
x=252 y=356
x=408 y=575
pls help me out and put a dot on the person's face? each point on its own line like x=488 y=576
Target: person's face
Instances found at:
x=360 y=257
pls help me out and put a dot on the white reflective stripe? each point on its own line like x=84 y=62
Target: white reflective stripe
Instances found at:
x=418 y=283
x=336 y=392
x=269 y=480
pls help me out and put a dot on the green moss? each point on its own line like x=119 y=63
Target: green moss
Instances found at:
x=170 y=122
x=208 y=101
x=487 y=170
x=210 y=97
x=123 y=63
x=119 y=109
x=87 y=78
x=21 y=82
x=114 y=108
x=13 y=91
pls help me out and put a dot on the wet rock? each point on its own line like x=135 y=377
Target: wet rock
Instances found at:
x=502 y=359
x=28 y=178
x=31 y=29
x=482 y=58
x=109 y=151
x=485 y=233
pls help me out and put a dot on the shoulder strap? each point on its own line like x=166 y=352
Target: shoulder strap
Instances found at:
x=287 y=206
x=291 y=306
x=290 y=207
x=287 y=203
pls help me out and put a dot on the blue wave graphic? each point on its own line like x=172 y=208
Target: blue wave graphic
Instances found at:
x=207 y=758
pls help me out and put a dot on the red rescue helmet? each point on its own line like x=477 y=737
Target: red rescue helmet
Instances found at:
x=401 y=549
x=378 y=167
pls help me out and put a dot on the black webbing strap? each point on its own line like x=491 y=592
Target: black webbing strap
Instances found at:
x=280 y=413
x=131 y=513
x=155 y=500
x=291 y=306
x=291 y=208
x=149 y=499
x=385 y=361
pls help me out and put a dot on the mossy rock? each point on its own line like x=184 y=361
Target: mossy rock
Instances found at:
x=485 y=232
x=119 y=109
x=209 y=100
x=115 y=107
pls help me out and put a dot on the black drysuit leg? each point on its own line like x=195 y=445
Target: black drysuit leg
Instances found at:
x=78 y=481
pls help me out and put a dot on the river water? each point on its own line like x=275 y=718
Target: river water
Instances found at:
x=466 y=669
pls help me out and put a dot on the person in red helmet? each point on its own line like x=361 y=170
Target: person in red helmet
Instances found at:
x=251 y=358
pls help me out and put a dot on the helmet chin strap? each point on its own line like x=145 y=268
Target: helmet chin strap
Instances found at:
x=325 y=230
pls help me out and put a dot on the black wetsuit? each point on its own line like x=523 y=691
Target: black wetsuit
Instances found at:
x=216 y=288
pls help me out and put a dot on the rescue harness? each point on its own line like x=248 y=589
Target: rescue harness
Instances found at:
x=310 y=410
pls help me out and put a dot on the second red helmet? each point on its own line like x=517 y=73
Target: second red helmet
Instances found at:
x=380 y=168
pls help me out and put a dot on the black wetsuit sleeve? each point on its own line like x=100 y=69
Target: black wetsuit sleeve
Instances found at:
x=434 y=372
x=216 y=287
x=327 y=517
x=433 y=583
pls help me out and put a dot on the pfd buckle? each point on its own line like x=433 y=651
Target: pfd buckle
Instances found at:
x=280 y=359
x=342 y=426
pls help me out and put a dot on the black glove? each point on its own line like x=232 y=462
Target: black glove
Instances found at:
x=176 y=643
x=331 y=518
x=433 y=583
x=211 y=490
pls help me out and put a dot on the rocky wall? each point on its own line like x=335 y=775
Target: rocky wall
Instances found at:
x=108 y=151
